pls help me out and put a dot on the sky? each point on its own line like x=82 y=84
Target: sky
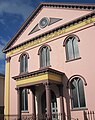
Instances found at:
x=12 y=15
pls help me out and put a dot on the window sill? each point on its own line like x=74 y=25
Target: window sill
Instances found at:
x=73 y=59
x=23 y=73
x=25 y=111
x=79 y=109
x=45 y=67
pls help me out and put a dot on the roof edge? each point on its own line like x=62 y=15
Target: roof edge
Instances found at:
x=67 y=3
x=47 y=4
x=38 y=72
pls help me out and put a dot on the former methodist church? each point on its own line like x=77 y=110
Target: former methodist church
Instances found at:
x=50 y=64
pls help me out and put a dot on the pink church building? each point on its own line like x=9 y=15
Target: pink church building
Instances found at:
x=50 y=64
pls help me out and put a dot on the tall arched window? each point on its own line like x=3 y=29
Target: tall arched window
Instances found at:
x=24 y=101
x=77 y=93
x=23 y=62
x=71 y=45
x=44 y=53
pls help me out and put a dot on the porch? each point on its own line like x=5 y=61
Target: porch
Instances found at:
x=47 y=86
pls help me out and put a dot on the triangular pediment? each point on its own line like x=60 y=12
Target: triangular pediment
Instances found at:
x=47 y=18
x=43 y=23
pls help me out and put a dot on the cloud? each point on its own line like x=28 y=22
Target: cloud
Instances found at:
x=2 y=21
x=2 y=45
x=2 y=67
x=16 y=7
x=2 y=55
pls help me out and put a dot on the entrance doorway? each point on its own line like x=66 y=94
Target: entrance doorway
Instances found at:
x=53 y=105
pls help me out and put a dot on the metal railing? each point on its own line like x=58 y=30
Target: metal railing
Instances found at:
x=89 y=115
x=32 y=117
x=70 y=118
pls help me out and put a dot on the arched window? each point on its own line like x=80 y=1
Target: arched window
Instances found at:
x=44 y=53
x=77 y=93
x=24 y=97
x=71 y=45
x=23 y=62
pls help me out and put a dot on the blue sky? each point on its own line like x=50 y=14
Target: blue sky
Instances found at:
x=13 y=13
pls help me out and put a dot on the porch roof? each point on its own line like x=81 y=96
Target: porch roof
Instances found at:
x=39 y=76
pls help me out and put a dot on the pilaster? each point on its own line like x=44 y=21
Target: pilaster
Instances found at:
x=7 y=87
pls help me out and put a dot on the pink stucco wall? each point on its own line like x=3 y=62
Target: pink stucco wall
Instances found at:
x=84 y=66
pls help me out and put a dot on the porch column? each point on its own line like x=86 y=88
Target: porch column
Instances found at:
x=19 y=91
x=48 y=101
x=61 y=102
x=33 y=102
